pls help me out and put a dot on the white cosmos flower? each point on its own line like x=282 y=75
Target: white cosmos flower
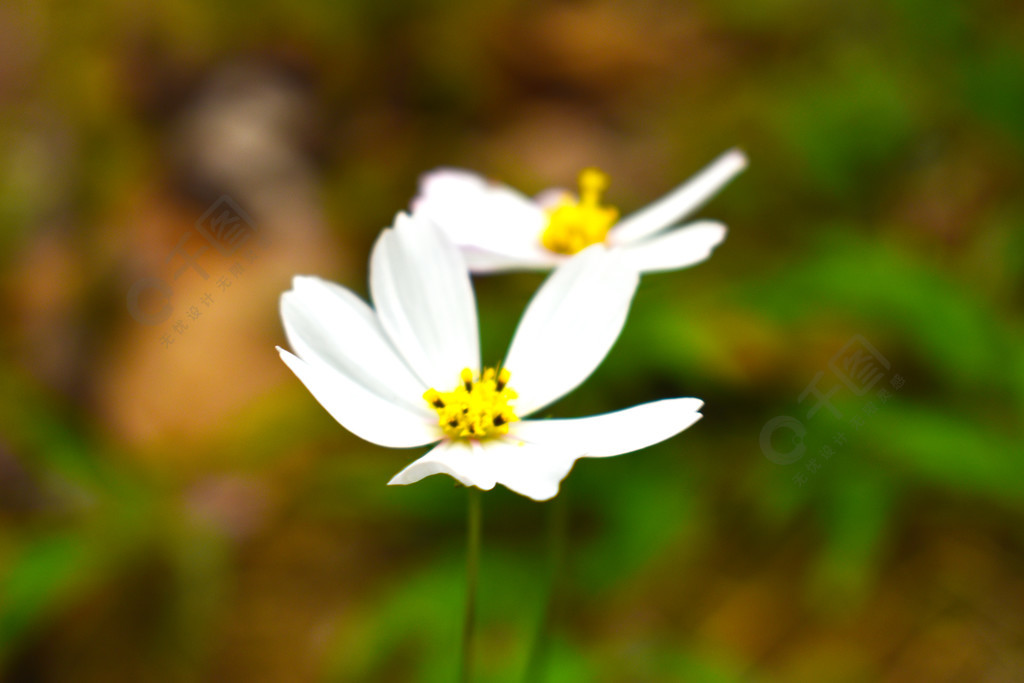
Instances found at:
x=500 y=229
x=406 y=372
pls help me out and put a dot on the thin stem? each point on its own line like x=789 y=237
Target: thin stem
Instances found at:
x=473 y=525
x=558 y=531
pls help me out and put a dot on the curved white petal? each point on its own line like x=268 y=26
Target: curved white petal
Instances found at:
x=461 y=459
x=363 y=412
x=483 y=261
x=536 y=455
x=675 y=249
x=424 y=301
x=474 y=212
x=326 y=323
x=681 y=201
x=531 y=470
x=615 y=433
x=569 y=326
x=534 y=470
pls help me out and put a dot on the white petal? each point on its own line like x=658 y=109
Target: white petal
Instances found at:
x=363 y=412
x=538 y=454
x=461 y=459
x=528 y=469
x=615 y=433
x=326 y=323
x=424 y=301
x=533 y=470
x=681 y=201
x=569 y=326
x=484 y=261
x=476 y=213
x=675 y=249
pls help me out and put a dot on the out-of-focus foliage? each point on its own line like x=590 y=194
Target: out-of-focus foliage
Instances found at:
x=175 y=506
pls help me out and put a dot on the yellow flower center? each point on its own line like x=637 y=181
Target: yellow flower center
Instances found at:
x=575 y=225
x=475 y=409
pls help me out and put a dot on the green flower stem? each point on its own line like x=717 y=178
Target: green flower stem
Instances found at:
x=558 y=531
x=472 y=566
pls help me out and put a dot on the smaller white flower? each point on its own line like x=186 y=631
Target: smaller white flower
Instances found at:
x=500 y=229
x=407 y=371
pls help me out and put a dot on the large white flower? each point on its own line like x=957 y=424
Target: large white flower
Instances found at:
x=407 y=371
x=500 y=229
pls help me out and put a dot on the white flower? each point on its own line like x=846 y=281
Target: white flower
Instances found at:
x=407 y=371
x=500 y=229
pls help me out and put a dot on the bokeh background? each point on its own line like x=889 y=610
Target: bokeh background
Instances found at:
x=174 y=506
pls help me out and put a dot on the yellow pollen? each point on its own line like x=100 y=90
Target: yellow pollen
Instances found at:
x=475 y=409
x=575 y=225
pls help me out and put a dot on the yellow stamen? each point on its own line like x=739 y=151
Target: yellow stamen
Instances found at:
x=475 y=409
x=575 y=225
